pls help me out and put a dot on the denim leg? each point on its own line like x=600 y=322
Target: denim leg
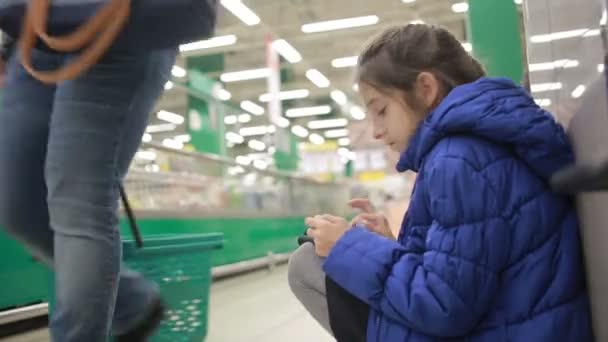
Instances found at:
x=24 y=136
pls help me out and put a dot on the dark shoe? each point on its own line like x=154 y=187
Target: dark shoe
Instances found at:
x=147 y=327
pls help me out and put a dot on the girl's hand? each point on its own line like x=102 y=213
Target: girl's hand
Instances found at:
x=326 y=230
x=375 y=222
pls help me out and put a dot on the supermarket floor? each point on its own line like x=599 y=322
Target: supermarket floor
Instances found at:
x=256 y=307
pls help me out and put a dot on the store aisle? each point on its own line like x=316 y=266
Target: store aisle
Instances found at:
x=256 y=307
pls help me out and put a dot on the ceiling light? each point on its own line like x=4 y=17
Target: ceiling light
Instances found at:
x=331 y=123
x=286 y=95
x=340 y=24
x=178 y=71
x=271 y=129
x=316 y=139
x=209 y=43
x=336 y=133
x=460 y=7
x=468 y=47
x=345 y=62
x=170 y=143
x=339 y=97
x=235 y=170
x=417 y=22
x=559 y=64
x=299 y=131
x=308 y=111
x=343 y=151
x=241 y=11
x=230 y=119
x=282 y=122
x=287 y=51
x=146 y=138
x=146 y=155
x=260 y=164
x=245 y=75
x=591 y=33
x=542 y=87
x=244 y=118
x=184 y=138
x=518 y=2
x=543 y=102
x=578 y=91
x=317 y=78
x=272 y=149
x=243 y=160
x=357 y=113
x=160 y=128
x=604 y=18
x=343 y=141
x=600 y=68
x=408 y=1
x=234 y=138
x=255 y=130
x=223 y=94
x=170 y=117
x=168 y=85
x=256 y=145
x=252 y=108
x=545 y=38
x=356 y=87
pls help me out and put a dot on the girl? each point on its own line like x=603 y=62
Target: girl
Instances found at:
x=486 y=252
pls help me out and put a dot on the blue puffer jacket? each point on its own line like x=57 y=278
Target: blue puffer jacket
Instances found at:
x=486 y=252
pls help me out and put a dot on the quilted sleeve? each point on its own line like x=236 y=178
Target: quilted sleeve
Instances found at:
x=445 y=290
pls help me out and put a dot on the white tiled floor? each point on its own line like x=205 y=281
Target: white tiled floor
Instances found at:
x=256 y=307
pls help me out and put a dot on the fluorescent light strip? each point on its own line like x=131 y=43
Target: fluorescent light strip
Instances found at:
x=543 y=102
x=287 y=51
x=256 y=145
x=468 y=47
x=299 y=131
x=170 y=143
x=286 y=95
x=244 y=118
x=146 y=155
x=235 y=138
x=317 y=78
x=357 y=113
x=260 y=164
x=168 y=85
x=336 y=133
x=245 y=75
x=339 y=97
x=559 y=64
x=316 y=139
x=209 y=43
x=146 y=138
x=243 y=160
x=331 y=123
x=542 y=87
x=600 y=68
x=160 y=128
x=340 y=24
x=241 y=11
x=460 y=7
x=231 y=119
x=345 y=62
x=344 y=141
x=252 y=108
x=178 y=71
x=282 y=122
x=223 y=94
x=308 y=111
x=184 y=138
x=170 y=117
x=578 y=91
x=408 y=1
x=254 y=130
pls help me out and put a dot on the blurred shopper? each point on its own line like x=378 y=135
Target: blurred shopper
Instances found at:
x=486 y=251
x=66 y=145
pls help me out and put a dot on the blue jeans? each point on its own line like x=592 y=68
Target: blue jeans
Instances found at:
x=63 y=151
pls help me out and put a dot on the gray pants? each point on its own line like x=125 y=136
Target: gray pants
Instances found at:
x=307 y=282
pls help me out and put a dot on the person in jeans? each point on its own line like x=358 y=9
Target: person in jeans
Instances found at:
x=487 y=251
x=64 y=149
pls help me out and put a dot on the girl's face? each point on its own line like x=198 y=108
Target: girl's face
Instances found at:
x=395 y=121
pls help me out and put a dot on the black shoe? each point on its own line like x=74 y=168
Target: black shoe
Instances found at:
x=147 y=327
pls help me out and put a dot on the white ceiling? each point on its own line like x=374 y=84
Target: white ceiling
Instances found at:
x=283 y=19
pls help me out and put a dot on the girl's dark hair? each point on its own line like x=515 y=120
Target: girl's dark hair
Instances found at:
x=397 y=56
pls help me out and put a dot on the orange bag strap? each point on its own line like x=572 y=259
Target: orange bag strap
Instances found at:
x=96 y=34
